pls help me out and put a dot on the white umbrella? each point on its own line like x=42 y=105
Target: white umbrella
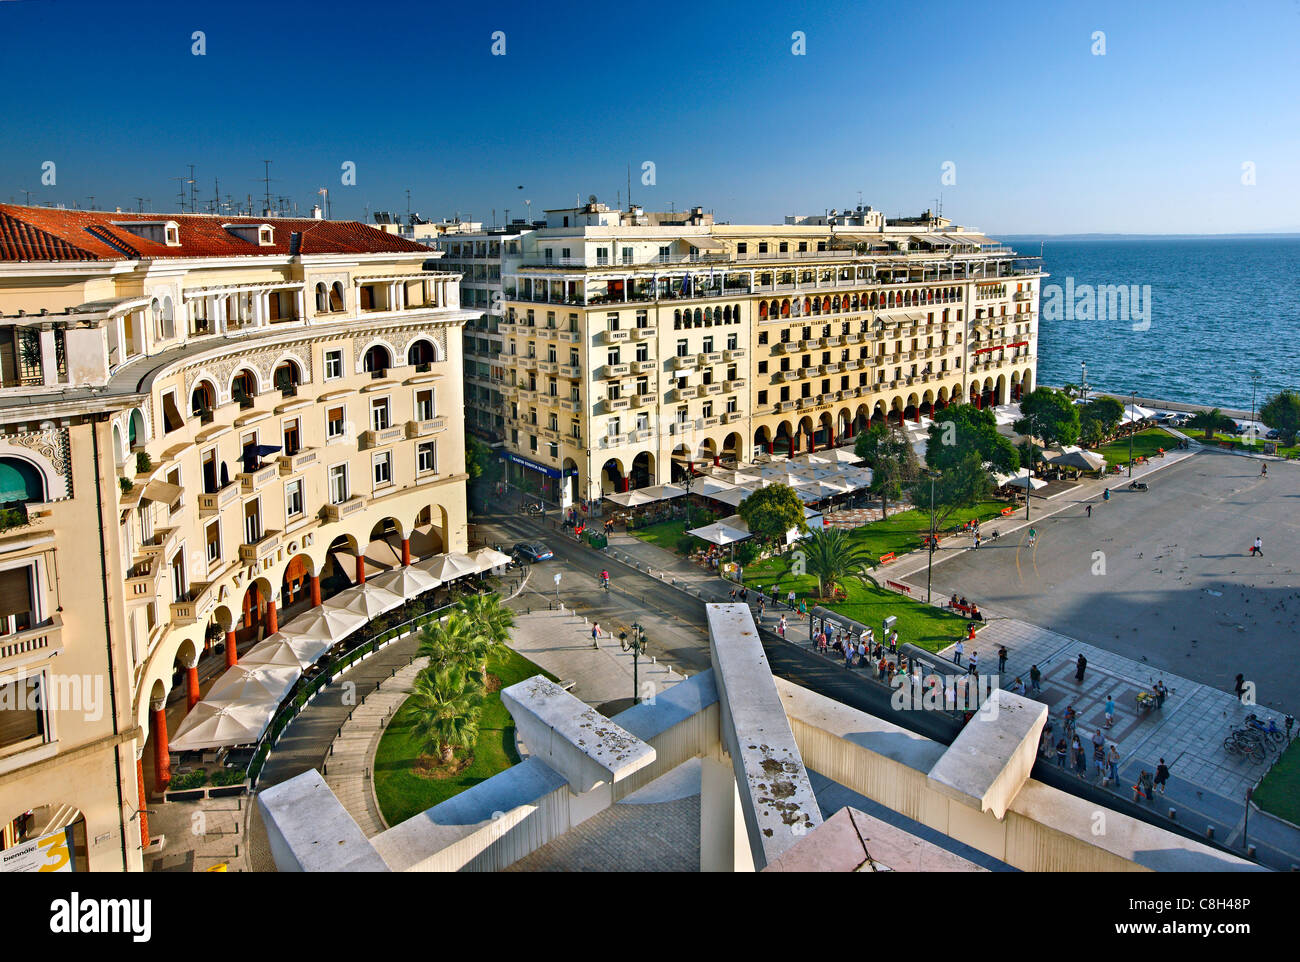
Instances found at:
x=1135 y=412
x=247 y=684
x=368 y=600
x=835 y=456
x=709 y=486
x=407 y=581
x=720 y=533
x=489 y=558
x=323 y=623
x=630 y=499
x=664 y=492
x=1083 y=460
x=736 y=475
x=277 y=651
x=1034 y=483
x=214 y=724
x=449 y=567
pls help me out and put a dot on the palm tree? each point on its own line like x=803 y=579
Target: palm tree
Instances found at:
x=455 y=641
x=493 y=621
x=832 y=557
x=445 y=709
x=1210 y=421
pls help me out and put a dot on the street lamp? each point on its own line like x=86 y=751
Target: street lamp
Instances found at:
x=1084 y=386
x=1132 y=413
x=930 y=564
x=1254 y=385
x=638 y=646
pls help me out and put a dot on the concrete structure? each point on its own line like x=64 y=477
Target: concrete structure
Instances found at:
x=637 y=344
x=500 y=821
x=205 y=422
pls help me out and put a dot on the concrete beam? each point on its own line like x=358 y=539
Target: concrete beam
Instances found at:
x=993 y=755
x=853 y=841
x=775 y=793
x=310 y=831
x=583 y=746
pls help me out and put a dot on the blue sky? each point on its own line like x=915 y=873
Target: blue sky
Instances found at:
x=1044 y=136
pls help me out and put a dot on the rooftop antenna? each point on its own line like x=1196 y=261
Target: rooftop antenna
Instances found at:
x=28 y=195
x=266 y=180
x=194 y=191
x=139 y=204
x=216 y=196
x=629 y=186
x=494 y=218
x=181 y=193
x=92 y=202
x=529 y=205
x=408 y=204
x=325 y=191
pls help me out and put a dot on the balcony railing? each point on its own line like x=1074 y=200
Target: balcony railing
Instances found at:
x=345 y=509
x=424 y=428
x=30 y=642
x=263 y=547
x=377 y=437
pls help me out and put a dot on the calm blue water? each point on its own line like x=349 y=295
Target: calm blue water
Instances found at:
x=1219 y=309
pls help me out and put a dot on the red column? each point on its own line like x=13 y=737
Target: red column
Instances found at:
x=627 y=484
x=191 y=686
x=315 y=591
x=232 y=651
x=406 y=551
x=812 y=443
x=143 y=803
x=272 y=622
x=162 y=765
x=716 y=461
x=771 y=448
x=361 y=569
x=917 y=419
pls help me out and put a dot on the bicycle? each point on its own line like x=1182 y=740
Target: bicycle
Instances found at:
x=1241 y=742
x=1270 y=733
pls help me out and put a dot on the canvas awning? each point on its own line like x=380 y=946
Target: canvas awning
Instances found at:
x=721 y=534
x=368 y=600
x=488 y=558
x=325 y=624
x=705 y=243
x=630 y=499
x=212 y=724
x=449 y=567
x=277 y=651
x=1083 y=460
x=162 y=492
x=245 y=684
x=407 y=581
x=1019 y=481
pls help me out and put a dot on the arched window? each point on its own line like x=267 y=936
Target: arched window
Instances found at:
x=421 y=354
x=202 y=400
x=762 y=310
x=336 y=296
x=322 y=299
x=377 y=360
x=20 y=483
x=677 y=319
x=244 y=388
x=699 y=317
x=287 y=378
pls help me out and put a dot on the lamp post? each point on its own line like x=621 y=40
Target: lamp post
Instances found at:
x=1132 y=413
x=638 y=646
x=1084 y=386
x=930 y=563
x=1254 y=385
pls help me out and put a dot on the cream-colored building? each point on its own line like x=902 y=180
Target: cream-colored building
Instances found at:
x=636 y=343
x=206 y=422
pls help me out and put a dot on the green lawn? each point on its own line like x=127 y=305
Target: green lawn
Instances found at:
x=664 y=535
x=1279 y=792
x=402 y=793
x=918 y=623
x=1145 y=444
x=903 y=531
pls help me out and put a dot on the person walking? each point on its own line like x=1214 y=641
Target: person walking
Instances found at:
x=1162 y=775
x=1258 y=547
x=762 y=603
x=1098 y=749
x=974 y=662
x=1033 y=536
x=1002 y=659
x=780 y=627
x=1080 y=666
x=1088 y=509
x=1112 y=763
x=595 y=632
x=1061 y=749
x=789 y=599
x=1080 y=759
x=1240 y=686
x=1110 y=710
x=1161 y=692
x=958 y=652
x=970 y=631
x=1035 y=679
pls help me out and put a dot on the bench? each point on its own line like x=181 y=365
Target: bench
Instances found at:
x=899 y=586
x=1008 y=511
x=964 y=609
x=887 y=557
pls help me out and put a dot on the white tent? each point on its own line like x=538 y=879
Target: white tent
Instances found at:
x=835 y=456
x=663 y=492
x=449 y=567
x=368 y=600
x=709 y=486
x=213 y=724
x=248 y=684
x=1034 y=483
x=1083 y=460
x=407 y=581
x=323 y=624
x=1135 y=412
x=277 y=651
x=488 y=558
x=630 y=499
x=736 y=475
x=721 y=533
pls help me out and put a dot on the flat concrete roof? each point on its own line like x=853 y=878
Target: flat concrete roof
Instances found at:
x=309 y=829
x=853 y=841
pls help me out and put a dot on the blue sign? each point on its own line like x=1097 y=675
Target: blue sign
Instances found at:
x=533 y=465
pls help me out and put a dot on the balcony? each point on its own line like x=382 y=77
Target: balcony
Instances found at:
x=613 y=337
x=261 y=549
x=783 y=347
x=681 y=393
x=425 y=427
x=641 y=434
x=527 y=363
x=290 y=463
x=33 y=643
x=734 y=354
x=1022 y=296
x=736 y=384
x=572 y=337
x=608 y=405
x=548 y=367
x=606 y=371
x=679 y=363
x=642 y=400
x=194 y=606
x=570 y=404
x=705 y=390
x=570 y=370
x=783 y=406
x=346 y=509
x=213 y=503
x=712 y=357
x=378 y=437
x=644 y=333
x=251 y=481
x=710 y=422
x=642 y=367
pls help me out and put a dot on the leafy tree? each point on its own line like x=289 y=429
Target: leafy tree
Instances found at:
x=478 y=457
x=1105 y=412
x=1050 y=416
x=869 y=441
x=772 y=511
x=895 y=467
x=445 y=709
x=832 y=557
x=1282 y=412
x=1211 y=421
x=962 y=428
x=963 y=484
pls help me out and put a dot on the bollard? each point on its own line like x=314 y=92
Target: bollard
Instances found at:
x=1250 y=852
x=1173 y=814
x=1209 y=832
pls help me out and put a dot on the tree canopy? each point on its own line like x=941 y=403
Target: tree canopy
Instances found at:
x=960 y=485
x=893 y=468
x=1211 y=421
x=772 y=511
x=1050 y=416
x=963 y=428
x=832 y=557
x=1282 y=412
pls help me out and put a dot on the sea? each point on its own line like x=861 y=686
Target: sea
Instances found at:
x=1209 y=312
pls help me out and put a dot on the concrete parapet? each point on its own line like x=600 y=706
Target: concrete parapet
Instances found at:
x=309 y=830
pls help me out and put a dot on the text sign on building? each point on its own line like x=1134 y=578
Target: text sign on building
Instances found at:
x=51 y=853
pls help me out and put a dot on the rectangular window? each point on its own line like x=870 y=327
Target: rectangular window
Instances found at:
x=338 y=484
x=292 y=437
x=427 y=457
x=212 y=541
x=293 y=504
x=335 y=425
x=379 y=414
x=627 y=255
x=383 y=469
x=24 y=721
x=333 y=365
x=424 y=404
x=174 y=477
x=762 y=397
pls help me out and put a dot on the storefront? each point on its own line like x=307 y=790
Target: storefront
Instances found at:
x=548 y=483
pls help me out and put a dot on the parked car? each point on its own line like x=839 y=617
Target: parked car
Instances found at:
x=1274 y=434
x=533 y=551
x=1238 y=428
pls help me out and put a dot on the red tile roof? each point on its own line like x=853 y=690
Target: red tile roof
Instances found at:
x=47 y=234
